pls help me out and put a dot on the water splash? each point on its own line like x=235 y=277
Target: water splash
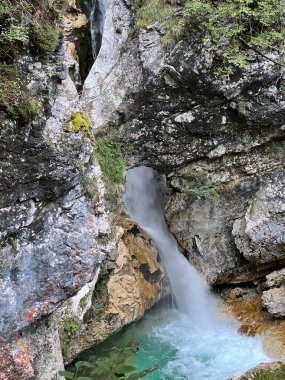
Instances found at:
x=143 y=202
x=196 y=344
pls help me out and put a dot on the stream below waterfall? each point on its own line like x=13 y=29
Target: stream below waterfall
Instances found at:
x=194 y=341
x=183 y=352
x=197 y=342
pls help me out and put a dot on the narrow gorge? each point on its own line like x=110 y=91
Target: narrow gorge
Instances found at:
x=142 y=192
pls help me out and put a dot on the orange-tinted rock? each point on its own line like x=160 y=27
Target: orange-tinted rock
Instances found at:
x=15 y=363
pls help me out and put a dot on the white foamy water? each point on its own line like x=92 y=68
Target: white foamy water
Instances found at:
x=202 y=344
x=191 y=293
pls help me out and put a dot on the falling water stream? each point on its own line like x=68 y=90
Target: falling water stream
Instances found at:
x=193 y=342
x=95 y=11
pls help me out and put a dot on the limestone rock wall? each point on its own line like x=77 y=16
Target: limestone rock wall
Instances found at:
x=49 y=226
x=130 y=282
x=219 y=141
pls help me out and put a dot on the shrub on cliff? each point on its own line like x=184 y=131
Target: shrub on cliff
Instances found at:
x=23 y=22
x=230 y=27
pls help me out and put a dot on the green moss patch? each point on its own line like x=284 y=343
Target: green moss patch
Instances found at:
x=81 y=122
x=45 y=37
x=69 y=331
x=199 y=186
x=152 y=11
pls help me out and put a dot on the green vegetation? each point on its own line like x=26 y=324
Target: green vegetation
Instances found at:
x=40 y=31
x=99 y=286
x=15 y=101
x=278 y=374
x=204 y=191
x=230 y=27
x=84 y=300
x=199 y=186
x=82 y=123
x=118 y=365
x=22 y=23
x=70 y=329
x=99 y=298
x=151 y=11
x=110 y=158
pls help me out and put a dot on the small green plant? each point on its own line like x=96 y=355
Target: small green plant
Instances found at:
x=45 y=37
x=204 y=191
x=84 y=300
x=199 y=186
x=110 y=158
x=15 y=34
x=70 y=329
x=278 y=374
x=118 y=365
x=151 y=11
x=82 y=123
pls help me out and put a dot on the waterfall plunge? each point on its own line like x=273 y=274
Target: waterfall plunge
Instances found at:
x=143 y=203
x=194 y=344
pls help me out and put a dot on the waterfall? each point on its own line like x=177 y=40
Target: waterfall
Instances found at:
x=95 y=11
x=192 y=342
x=143 y=203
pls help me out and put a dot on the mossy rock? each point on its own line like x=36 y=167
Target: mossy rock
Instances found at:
x=81 y=122
x=109 y=155
x=277 y=374
x=70 y=330
x=15 y=101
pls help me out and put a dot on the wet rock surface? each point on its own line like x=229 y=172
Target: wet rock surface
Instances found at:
x=130 y=282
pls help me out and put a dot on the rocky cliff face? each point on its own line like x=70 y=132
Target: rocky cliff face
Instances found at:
x=49 y=229
x=55 y=229
x=220 y=142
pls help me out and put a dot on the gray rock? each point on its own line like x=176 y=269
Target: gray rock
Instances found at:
x=276 y=278
x=274 y=301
